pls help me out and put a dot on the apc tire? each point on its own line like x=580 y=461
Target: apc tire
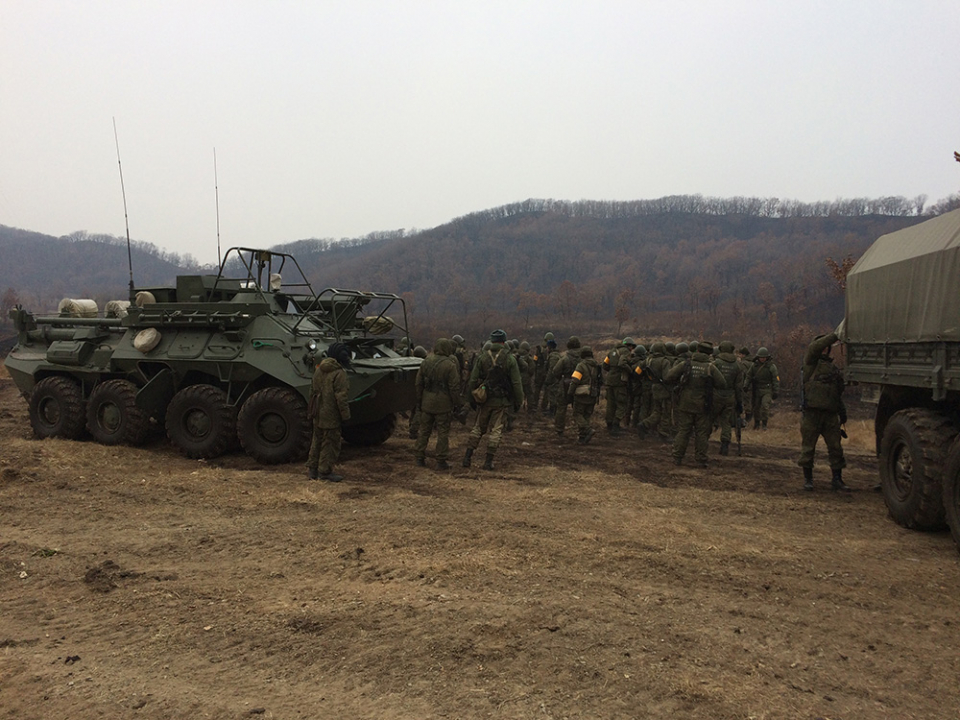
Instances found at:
x=113 y=417
x=200 y=422
x=951 y=490
x=56 y=408
x=912 y=455
x=370 y=434
x=273 y=427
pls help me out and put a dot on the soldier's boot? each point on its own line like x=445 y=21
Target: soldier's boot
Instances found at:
x=313 y=473
x=331 y=477
x=808 y=478
x=615 y=429
x=421 y=462
x=837 y=483
x=467 y=456
x=443 y=465
x=641 y=431
x=764 y=424
x=756 y=424
x=488 y=462
x=585 y=437
x=724 y=447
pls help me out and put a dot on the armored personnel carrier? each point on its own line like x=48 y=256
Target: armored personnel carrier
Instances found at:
x=214 y=360
x=901 y=331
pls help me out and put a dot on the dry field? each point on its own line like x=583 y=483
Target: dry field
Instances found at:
x=597 y=582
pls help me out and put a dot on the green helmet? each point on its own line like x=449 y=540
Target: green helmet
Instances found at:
x=726 y=346
x=670 y=348
x=420 y=351
x=586 y=351
x=573 y=343
x=458 y=339
x=763 y=352
x=640 y=350
x=629 y=341
x=547 y=336
x=524 y=345
x=681 y=348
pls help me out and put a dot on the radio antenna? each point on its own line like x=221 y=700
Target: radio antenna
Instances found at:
x=216 y=192
x=126 y=219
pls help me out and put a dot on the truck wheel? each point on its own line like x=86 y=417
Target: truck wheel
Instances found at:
x=56 y=408
x=113 y=416
x=951 y=490
x=273 y=426
x=912 y=453
x=200 y=422
x=368 y=434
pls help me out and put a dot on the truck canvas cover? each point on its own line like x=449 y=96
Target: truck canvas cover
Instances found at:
x=906 y=287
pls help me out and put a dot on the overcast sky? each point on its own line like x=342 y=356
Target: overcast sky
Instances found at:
x=336 y=119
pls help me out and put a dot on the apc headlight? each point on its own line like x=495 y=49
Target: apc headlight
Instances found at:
x=312 y=345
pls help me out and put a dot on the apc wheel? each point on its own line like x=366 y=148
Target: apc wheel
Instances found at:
x=113 y=416
x=368 y=434
x=200 y=422
x=951 y=490
x=56 y=408
x=273 y=426
x=912 y=453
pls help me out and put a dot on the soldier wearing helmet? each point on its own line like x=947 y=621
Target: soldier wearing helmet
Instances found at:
x=496 y=379
x=562 y=377
x=617 y=369
x=728 y=402
x=824 y=412
x=763 y=384
x=539 y=356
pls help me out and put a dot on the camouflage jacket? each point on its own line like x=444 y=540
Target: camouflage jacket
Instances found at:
x=328 y=395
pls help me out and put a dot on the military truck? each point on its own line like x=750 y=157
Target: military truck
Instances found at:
x=214 y=361
x=901 y=332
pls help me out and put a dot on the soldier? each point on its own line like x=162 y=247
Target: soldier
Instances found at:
x=540 y=355
x=527 y=373
x=638 y=388
x=463 y=363
x=329 y=409
x=584 y=392
x=549 y=403
x=421 y=352
x=617 y=369
x=824 y=412
x=562 y=376
x=657 y=366
x=696 y=378
x=497 y=373
x=438 y=395
x=728 y=402
x=763 y=382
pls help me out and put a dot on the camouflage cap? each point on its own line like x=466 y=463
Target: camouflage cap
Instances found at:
x=705 y=347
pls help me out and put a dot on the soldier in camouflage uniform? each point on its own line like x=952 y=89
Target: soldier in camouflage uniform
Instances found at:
x=421 y=352
x=697 y=378
x=527 y=373
x=540 y=354
x=584 y=392
x=550 y=384
x=763 y=384
x=639 y=388
x=617 y=369
x=438 y=395
x=496 y=370
x=728 y=402
x=329 y=409
x=657 y=366
x=824 y=411
x=561 y=376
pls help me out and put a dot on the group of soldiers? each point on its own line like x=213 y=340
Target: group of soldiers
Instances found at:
x=671 y=391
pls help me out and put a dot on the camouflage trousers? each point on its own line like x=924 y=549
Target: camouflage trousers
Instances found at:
x=697 y=424
x=659 y=418
x=324 y=449
x=618 y=404
x=428 y=421
x=490 y=420
x=725 y=416
x=762 y=401
x=815 y=424
x=582 y=412
x=560 y=419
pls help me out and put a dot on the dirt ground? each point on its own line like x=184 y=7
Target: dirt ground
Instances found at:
x=597 y=582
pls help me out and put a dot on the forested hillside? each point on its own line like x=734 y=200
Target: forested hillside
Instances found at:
x=751 y=269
